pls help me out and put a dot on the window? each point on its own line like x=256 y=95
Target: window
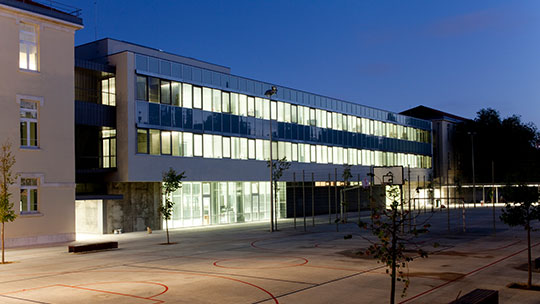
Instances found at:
x=197 y=145
x=166 y=142
x=243 y=148
x=29 y=121
x=165 y=92
x=294 y=156
x=29 y=195
x=216 y=100
x=208 y=150
x=273 y=110
x=266 y=108
x=234 y=104
x=251 y=106
x=142 y=141
x=259 y=107
x=259 y=155
x=154 y=142
x=175 y=94
x=187 y=96
x=176 y=143
x=280 y=111
x=28 y=46
x=226 y=147
x=108 y=90
x=141 y=88
x=197 y=97
x=242 y=107
x=153 y=89
x=187 y=144
x=217 y=146
x=226 y=99
x=207 y=99
x=251 y=148
x=108 y=148
x=293 y=114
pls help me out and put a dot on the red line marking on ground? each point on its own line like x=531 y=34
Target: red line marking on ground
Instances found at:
x=305 y=261
x=112 y=292
x=165 y=287
x=467 y=274
x=198 y=274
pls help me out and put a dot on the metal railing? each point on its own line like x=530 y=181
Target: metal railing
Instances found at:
x=56 y=6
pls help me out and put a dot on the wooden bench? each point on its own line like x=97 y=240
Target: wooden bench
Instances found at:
x=92 y=246
x=479 y=296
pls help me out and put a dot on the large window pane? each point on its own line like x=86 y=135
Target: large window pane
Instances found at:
x=155 y=142
x=226 y=147
x=294 y=117
x=142 y=141
x=234 y=104
x=175 y=94
x=259 y=107
x=207 y=146
x=242 y=105
x=165 y=92
x=273 y=110
x=187 y=96
x=266 y=108
x=176 y=143
x=216 y=100
x=153 y=89
x=165 y=142
x=243 y=148
x=250 y=106
x=141 y=87
x=226 y=100
x=207 y=99
x=259 y=150
x=187 y=144
x=280 y=111
x=197 y=97
x=197 y=145
x=217 y=146
x=235 y=148
x=251 y=148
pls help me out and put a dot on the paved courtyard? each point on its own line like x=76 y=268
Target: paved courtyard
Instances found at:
x=245 y=263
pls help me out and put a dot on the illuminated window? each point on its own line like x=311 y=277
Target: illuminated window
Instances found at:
x=108 y=148
x=259 y=150
x=259 y=107
x=197 y=145
x=29 y=195
x=207 y=99
x=226 y=100
x=155 y=142
x=251 y=148
x=217 y=144
x=165 y=92
x=166 y=142
x=153 y=89
x=28 y=47
x=176 y=143
x=294 y=117
x=187 y=96
x=176 y=94
x=226 y=147
x=208 y=151
x=108 y=90
x=216 y=100
x=251 y=106
x=234 y=104
x=29 y=123
x=141 y=88
x=197 y=97
x=242 y=105
x=142 y=141
x=187 y=144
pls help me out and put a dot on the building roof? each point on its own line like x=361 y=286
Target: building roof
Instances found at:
x=47 y=8
x=428 y=113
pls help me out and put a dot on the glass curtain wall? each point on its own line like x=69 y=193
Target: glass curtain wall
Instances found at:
x=214 y=203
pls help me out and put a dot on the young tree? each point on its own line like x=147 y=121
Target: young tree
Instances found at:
x=172 y=181
x=521 y=212
x=392 y=242
x=347 y=175
x=278 y=167
x=7 y=178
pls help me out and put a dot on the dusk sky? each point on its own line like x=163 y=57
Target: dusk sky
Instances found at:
x=456 y=56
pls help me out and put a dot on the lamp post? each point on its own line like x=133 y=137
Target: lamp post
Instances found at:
x=269 y=94
x=472 y=134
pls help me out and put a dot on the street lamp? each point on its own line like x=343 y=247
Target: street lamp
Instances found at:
x=472 y=134
x=269 y=94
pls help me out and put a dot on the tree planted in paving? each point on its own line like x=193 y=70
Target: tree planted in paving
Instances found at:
x=278 y=167
x=346 y=176
x=7 y=178
x=172 y=181
x=521 y=211
x=392 y=242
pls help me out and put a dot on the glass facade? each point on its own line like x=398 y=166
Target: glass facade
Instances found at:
x=214 y=203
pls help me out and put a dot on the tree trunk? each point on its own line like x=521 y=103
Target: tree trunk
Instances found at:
x=529 y=262
x=167 y=228
x=3 y=240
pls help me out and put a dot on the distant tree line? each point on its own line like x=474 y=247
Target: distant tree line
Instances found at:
x=513 y=146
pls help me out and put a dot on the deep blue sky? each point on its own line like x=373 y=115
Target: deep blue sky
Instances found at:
x=457 y=56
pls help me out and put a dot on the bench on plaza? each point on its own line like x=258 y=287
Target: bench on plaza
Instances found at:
x=479 y=296
x=92 y=246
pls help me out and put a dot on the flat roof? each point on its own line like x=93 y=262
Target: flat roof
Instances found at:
x=48 y=8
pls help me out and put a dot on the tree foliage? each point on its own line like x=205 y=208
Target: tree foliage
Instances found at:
x=172 y=181
x=512 y=144
x=392 y=242
x=522 y=210
x=7 y=178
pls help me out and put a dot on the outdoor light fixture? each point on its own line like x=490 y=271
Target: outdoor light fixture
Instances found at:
x=269 y=94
